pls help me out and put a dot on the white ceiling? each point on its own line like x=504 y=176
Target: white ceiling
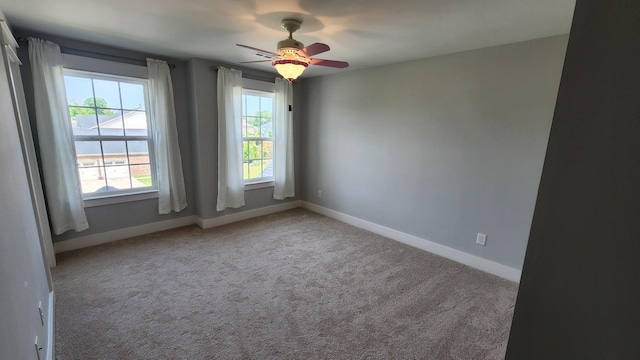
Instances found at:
x=365 y=33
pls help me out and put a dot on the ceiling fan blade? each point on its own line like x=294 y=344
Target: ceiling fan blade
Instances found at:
x=313 y=49
x=330 y=63
x=257 y=61
x=260 y=51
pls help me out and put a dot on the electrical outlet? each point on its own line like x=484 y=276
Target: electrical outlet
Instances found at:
x=481 y=239
x=319 y=194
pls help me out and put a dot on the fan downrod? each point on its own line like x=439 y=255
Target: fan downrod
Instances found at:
x=291 y=25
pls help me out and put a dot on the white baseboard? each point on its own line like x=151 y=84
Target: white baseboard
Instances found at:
x=231 y=218
x=120 y=234
x=477 y=262
x=109 y=236
x=51 y=336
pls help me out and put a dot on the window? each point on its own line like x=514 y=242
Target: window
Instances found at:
x=257 y=136
x=111 y=133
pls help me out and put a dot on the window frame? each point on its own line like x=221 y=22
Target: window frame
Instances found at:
x=262 y=89
x=123 y=195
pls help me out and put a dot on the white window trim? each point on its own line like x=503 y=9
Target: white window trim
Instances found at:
x=120 y=198
x=108 y=70
x=262 y=86
x=258 y=185
x=100 y=66
x=258 y=88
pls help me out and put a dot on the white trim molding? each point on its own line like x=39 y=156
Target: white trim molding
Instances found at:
x=249 y=214
x=51 y=335
x=120 y=234
x=462 y=257
x=473 y=261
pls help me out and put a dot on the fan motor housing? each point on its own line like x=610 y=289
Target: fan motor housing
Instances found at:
x=290 y=43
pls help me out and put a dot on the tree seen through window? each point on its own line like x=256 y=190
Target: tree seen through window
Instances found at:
x=257 y=136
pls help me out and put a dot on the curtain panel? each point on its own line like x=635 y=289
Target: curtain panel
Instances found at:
x=284 y=181
x=171 y=189
x=230 y=175
x=57 y=150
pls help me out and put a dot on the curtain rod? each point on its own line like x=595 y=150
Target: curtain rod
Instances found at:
x=72 y=51
x=249 y=75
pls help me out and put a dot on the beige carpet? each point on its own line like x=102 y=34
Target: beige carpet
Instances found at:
x=293 y=285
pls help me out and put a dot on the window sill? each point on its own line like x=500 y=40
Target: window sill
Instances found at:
x=259 y=185
x=120 y=198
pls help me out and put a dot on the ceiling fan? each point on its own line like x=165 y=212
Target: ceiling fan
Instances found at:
x=292 y=57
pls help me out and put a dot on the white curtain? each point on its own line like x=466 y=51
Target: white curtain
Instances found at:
x=171 y=190
x=284 y=186
x=57 y=150
x=230 y=175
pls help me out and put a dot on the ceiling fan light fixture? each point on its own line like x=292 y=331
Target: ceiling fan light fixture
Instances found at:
x=290 y=65
x=293 y=58
x=290 y=69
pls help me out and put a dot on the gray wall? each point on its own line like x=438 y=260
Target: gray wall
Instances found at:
x=118 y=216
x=203 y=112
x=196 y=112
x=440 y=148
x=23 y=276
x=580 y=291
